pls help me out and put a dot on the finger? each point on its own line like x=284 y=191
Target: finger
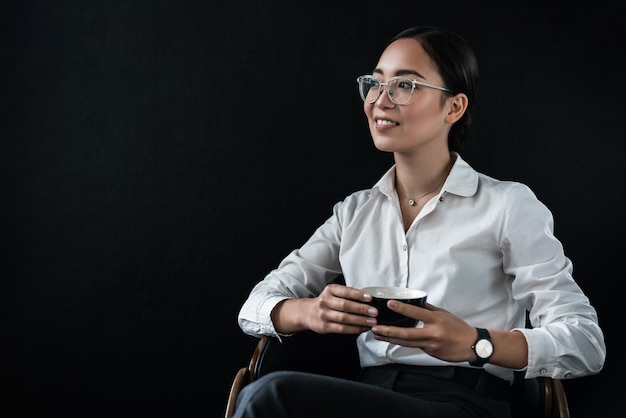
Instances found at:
x=395 y=335
x=350 y=300
x=358 y=308
x=404 y=308
x=430 y=307
x=347 y=292
x=412 y=311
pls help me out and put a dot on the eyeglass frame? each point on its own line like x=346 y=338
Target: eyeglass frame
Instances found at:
x=380 y=87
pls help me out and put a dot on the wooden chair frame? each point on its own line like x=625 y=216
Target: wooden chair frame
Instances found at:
x=270 y=354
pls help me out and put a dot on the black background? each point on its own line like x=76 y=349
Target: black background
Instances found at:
x=159 y=157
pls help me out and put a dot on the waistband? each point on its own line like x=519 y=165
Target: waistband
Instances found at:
x=479 y=380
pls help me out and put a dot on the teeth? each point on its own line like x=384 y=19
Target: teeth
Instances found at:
x=385 y=122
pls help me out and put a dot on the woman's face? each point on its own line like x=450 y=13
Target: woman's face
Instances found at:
x=420 y=123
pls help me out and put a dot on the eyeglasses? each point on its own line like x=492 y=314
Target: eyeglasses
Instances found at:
x=399 y=89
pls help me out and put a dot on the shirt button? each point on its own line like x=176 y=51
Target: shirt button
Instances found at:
x=543 y=371
x=404 y=247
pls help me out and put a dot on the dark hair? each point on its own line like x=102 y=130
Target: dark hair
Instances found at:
x=458 y=67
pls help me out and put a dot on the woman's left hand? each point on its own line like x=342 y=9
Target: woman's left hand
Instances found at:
x=443 y=335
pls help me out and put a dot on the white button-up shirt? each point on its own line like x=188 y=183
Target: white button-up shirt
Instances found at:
x=483 y=249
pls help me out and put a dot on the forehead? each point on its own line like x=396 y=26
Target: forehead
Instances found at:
x=406 y=54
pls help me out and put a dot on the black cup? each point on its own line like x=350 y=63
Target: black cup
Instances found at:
x=380 y=296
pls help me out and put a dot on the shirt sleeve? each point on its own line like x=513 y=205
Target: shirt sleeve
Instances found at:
x=301 y=274
x=565 y=340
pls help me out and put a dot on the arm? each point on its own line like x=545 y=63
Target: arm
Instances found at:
x=299 y=294
x=565 y=340
x=338 y=309
x=448 y=337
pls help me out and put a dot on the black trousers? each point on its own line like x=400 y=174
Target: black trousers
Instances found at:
x=379 y=392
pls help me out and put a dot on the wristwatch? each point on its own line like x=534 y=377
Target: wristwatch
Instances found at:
x=483 y=348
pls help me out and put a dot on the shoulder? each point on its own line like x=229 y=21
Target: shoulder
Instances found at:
x=517 y=203
x=509 y=187
x=509 y=190
x=367 y=198
x=355 y=200
x=464 y=180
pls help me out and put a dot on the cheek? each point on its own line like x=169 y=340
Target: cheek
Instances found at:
x=422 y=111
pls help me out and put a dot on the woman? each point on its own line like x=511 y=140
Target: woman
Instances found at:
x=483 y=249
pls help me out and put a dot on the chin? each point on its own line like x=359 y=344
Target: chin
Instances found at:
x=385 y=144
x=385 y=149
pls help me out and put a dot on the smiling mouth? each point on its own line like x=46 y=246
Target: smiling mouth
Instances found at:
x=385 y=122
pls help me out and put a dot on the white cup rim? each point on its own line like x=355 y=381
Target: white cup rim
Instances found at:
x=394 y=292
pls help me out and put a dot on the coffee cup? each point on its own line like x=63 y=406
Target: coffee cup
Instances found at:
x=382 y=294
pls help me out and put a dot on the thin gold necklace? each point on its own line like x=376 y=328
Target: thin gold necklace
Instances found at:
x=413 y=202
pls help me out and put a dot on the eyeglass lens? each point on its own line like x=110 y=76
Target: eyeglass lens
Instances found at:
x=399 y=90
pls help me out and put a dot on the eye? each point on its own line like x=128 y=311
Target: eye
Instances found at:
x=405 y=84
x=373 y=82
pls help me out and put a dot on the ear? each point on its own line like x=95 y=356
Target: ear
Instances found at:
x=457 y=105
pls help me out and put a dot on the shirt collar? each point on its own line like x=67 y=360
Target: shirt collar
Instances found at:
x=462 y=180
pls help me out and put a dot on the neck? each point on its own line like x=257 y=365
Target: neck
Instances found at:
x=417 y=180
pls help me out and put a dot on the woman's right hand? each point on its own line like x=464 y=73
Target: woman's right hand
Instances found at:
x=338 y=309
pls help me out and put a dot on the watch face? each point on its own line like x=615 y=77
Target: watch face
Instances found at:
x=484 y=348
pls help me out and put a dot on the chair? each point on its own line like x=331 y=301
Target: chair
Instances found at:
x=336 y=355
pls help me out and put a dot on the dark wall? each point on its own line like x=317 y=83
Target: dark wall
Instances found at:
x=159 y=157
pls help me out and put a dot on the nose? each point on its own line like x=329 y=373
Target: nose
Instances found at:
x=384 y=97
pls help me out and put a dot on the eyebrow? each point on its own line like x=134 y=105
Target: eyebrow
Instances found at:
x=401 y=72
